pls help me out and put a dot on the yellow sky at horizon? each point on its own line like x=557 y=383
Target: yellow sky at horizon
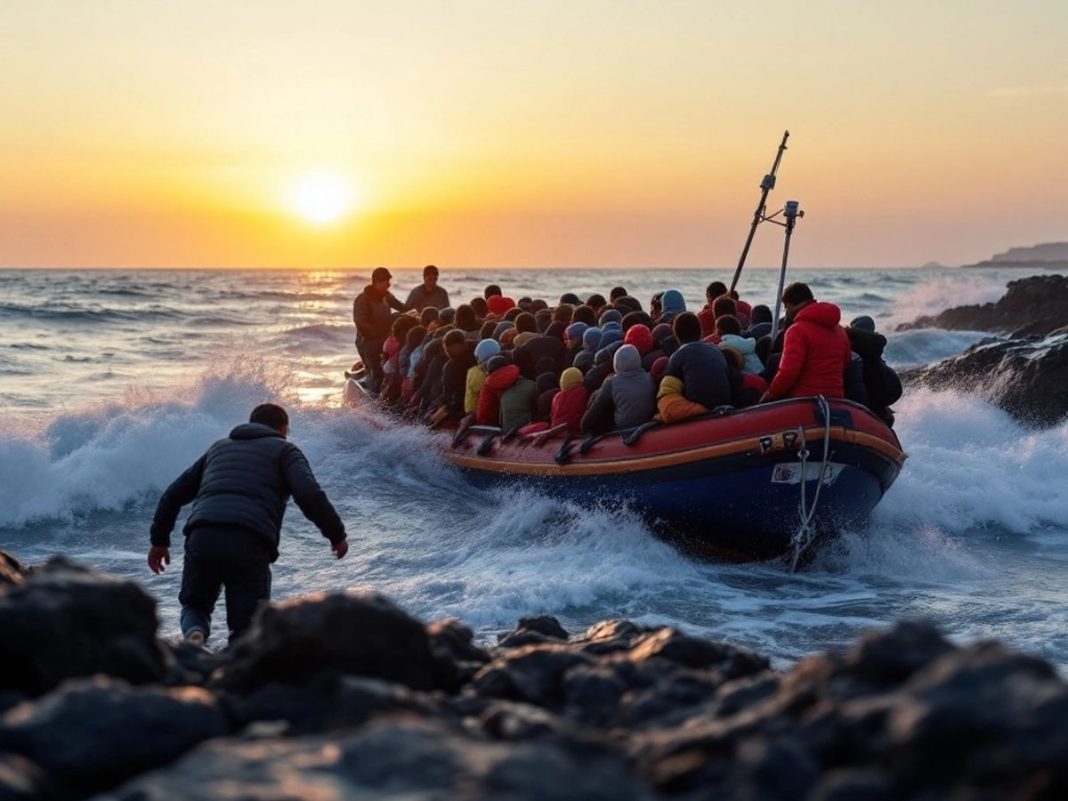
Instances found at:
x=485 y=134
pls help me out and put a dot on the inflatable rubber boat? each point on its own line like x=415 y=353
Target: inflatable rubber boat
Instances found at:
x=758 y=482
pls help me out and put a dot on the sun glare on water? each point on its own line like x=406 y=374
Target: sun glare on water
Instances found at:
x=321 y=197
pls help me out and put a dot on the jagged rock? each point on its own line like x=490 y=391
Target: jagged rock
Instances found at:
x=389 y=759
x=22 y=780
x=532 y=673
x=1033 y=306
x=328 y=702
x=452 y=640
x=365 y=635
x=534 y=631
x=12 y=571
x=1026 y=378
x=65 y=620
x=682 y=649
x=92 y=734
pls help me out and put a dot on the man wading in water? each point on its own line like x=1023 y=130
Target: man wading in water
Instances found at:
x=239 y=489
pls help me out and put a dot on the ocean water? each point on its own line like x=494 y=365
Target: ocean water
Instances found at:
x=112 y=382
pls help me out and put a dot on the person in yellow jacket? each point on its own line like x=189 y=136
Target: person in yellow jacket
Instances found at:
x=476 y=376
x=672 y=405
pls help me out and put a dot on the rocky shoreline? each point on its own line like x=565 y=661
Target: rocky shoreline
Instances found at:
x=347 y=696
x=1025 y=374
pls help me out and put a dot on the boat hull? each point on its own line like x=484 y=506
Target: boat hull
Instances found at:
x=730 y=484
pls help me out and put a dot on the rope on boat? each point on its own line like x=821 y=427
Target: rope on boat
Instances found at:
x=805 y=535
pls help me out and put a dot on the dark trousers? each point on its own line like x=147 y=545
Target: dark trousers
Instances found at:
x=370 y=351
x=234 y=558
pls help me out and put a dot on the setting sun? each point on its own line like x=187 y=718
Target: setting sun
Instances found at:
x=321 y=197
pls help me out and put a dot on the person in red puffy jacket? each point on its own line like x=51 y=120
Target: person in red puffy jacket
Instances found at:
x=501 y=374
x=815 y=351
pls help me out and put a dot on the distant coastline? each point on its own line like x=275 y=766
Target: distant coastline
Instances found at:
x=1045 y=256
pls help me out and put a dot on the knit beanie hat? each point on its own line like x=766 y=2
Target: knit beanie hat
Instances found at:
x=571 y=377
x=487 y=349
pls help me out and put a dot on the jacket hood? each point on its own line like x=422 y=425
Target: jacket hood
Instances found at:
x=672 y=302
x=866 y=345
x=670 y=385
x=503 y=377
x=571 y=377
x=743 y=345
x=591 y=339
x=640 y=337
x=606 y=353
x=253 y=431
x=627 y=359
x=826 y=315
x=487 y=349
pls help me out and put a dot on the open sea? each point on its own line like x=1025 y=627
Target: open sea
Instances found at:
x=113 y=382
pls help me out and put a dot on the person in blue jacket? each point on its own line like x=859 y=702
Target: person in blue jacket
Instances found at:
x=238 y=489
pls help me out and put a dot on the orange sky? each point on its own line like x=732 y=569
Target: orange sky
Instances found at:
x=608 y=133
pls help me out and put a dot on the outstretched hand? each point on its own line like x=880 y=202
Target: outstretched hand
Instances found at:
x=158 y=556
x=340 y=548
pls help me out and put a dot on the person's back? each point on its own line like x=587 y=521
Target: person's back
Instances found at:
x=238 y=489
x=815 y=354
x=633 y=389
x=517 y=404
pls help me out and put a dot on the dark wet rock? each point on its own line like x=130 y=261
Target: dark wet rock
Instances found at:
x=345 y=696
x=12 y=571
x=328 y=702
x=533 y=673
x=365 y=635
x=695 y=652
x=1027 y=378
x=534 y=631
x=852 y=785
x=90 y=734
x=609 y=636
x=65 y=620
x=984 y=713
x=451 y=640
x=389 y=759
x=22 y=780
x=1033 y=306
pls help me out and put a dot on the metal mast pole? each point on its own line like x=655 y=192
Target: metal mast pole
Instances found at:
x=758 y=216
x=791 y=213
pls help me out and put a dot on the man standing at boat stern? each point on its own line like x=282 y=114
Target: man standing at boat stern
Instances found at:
x=239 y=489
x=373 y=318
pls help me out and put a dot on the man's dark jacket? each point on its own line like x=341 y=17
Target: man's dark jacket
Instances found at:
x=371 y=313
x=245 y=481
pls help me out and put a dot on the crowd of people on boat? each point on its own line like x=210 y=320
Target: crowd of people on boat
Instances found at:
x=596 y=364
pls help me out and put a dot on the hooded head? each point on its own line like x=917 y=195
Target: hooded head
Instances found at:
x=672 y=302
x=497 y=362
x=502 y=326
x=571 y=377
x=864 y=323
x=640 y=337
x=487 y=349
x=591 y=339
x=583 y=361
x=627 y=359
x=627 y=304
x=447 y=316
x=610 y=316
x=525 y=323
x=659 y=368
x=605 y=354
x=670 y=385
x=610 y=336
x=575 y=332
